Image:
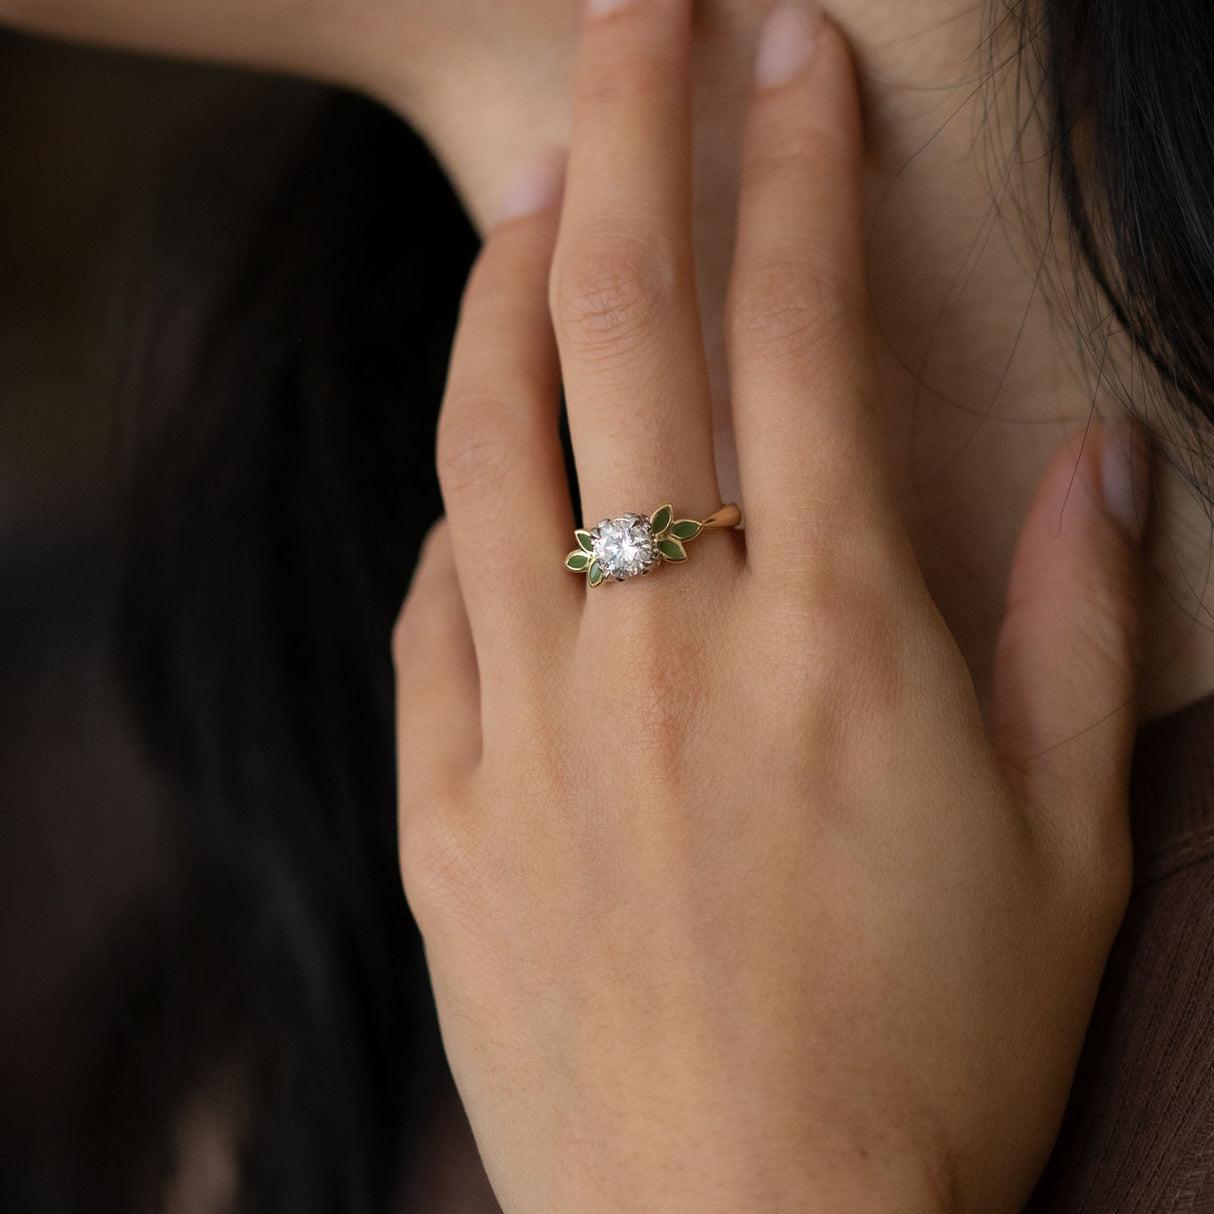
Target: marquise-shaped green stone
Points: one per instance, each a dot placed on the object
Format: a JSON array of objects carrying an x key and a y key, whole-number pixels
[
  {"x": 686, "y": 529},
  {"x": 585, "y": 541},
  {"x": 596, "y": 573},
  {"x": 659, "y": 520},
  {"x": 578, "y": 561},
  {"x": 672, "y": 550}
]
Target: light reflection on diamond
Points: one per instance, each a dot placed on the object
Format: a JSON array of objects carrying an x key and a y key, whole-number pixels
[{"x": 625, "y": 547}]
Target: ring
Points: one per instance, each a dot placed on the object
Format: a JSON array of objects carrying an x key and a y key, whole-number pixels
[{"x": 620, "y": 548}]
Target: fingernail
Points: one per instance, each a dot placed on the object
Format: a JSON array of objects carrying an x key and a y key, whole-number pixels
[
  {"x": 537, "y": 188},
  {"x": 787, "y": 43},
  {"x": 1126, "y": 473}
]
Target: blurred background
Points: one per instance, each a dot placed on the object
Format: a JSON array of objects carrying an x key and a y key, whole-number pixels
[
  {"x": 134, "y": 197},
  {"x": 88, "y": 142}
]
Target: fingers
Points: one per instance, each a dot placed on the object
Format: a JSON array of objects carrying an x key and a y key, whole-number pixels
[
  {"x": 1066, "y": 666},
  {"x": 500, "y": 461},
  {"x": 437, "y": 686},
  {"x": 623, "y": 289},
  {"x": 811, "y": 452}
]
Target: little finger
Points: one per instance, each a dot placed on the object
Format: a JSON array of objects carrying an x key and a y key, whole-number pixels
[
  {"x": 499, "y": 451},
  {"x": 438, "y": 733}
]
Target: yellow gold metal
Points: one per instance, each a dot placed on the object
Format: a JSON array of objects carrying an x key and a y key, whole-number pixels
[
  {"x": 727, "y": 517},
  {"x": 675, "y": 535}
]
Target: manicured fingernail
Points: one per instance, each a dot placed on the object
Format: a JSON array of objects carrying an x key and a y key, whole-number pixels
[
  {"x": 536, "y": 189},
  {"x": 787, "y": 43},
  {"x": 1126, "y": 473}
]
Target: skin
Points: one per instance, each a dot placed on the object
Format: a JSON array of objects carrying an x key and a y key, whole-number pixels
[
  {"x": 979, "y": 363},
  {"x": 730, "y": 899},
  {"x": 943, "y": 418}
]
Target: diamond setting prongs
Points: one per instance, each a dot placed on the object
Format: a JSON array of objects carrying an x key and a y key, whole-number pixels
[
  {"x": 632, "y": 545},
  {"x": 625, "y": 547}
]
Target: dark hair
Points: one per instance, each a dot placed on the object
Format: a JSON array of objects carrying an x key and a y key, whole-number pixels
[
  {"x": 1129, "y": 91},
  {"x": 287, "y": 372},
  {"x": 285, "y": 354}
]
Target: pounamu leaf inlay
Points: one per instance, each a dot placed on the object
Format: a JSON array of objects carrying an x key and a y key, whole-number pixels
[
  {"x": 577, "y": 561},
  {"x": 660, "y": 519},
  {"x": 596, "y": 573},
  {"x": 686, "y": 529},
  {"x": 585, "y": 542},
  {"x": 672, "y": 550}
]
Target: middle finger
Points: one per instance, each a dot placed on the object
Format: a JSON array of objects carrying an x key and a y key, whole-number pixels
[{"x": 623, "y": 285}]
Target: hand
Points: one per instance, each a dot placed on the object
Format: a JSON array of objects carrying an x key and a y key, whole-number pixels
[
  {"x": 731, "y": 899},
  {"x": 485, "y": 81},
  {"x": 313, "y": 37},
  {"x": 423, "y": 56}
]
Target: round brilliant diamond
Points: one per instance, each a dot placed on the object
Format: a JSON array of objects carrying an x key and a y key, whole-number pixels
[{"x": 625, "y": 547}]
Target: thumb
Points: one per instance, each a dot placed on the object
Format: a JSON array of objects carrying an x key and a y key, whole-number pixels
[{"x": 1064, "y": 706}]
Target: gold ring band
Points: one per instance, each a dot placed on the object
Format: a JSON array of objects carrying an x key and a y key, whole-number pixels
[{"x": 635, "y": 544}]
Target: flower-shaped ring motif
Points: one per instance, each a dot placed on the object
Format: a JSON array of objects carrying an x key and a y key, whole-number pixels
[{"x": 635, "y": 544}]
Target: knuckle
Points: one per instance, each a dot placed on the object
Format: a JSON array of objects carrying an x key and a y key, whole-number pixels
[
  {"x": 799, "y": 151},
  {"x": 863, "y": 669},
  {"x": 476, "y": 439},
  {"x": 841, "y": 639},
  {"x": 626, "y": 78},
  {"x": 790, "y": 306},
  {"x": 665, "y": 707},
  {"x": 609, "y": 289},
  {"x": 663, "y": 711}
]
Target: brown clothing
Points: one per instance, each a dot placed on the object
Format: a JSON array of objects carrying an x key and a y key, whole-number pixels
[{"x": 1139, "y": 1131}]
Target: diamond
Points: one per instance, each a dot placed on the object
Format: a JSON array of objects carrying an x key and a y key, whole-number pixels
[{"x": 625, "y": 546}]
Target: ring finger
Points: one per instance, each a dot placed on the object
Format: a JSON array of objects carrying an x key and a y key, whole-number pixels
[{"x": 623, "y": 287}]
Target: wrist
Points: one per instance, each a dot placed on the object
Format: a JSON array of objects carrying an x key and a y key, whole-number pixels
[{"x": 485, "y": 111}]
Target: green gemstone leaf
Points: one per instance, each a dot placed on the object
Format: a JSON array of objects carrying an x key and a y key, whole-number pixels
[
  {"x": 686, "y": 529},
  {"x": 596, "y": 573},
  {"x": 578, "y": 561},
  {"x": 585, "y": 541},
  {"x": 660, "y": 519},
  {"x": 672, "y": 550}
]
